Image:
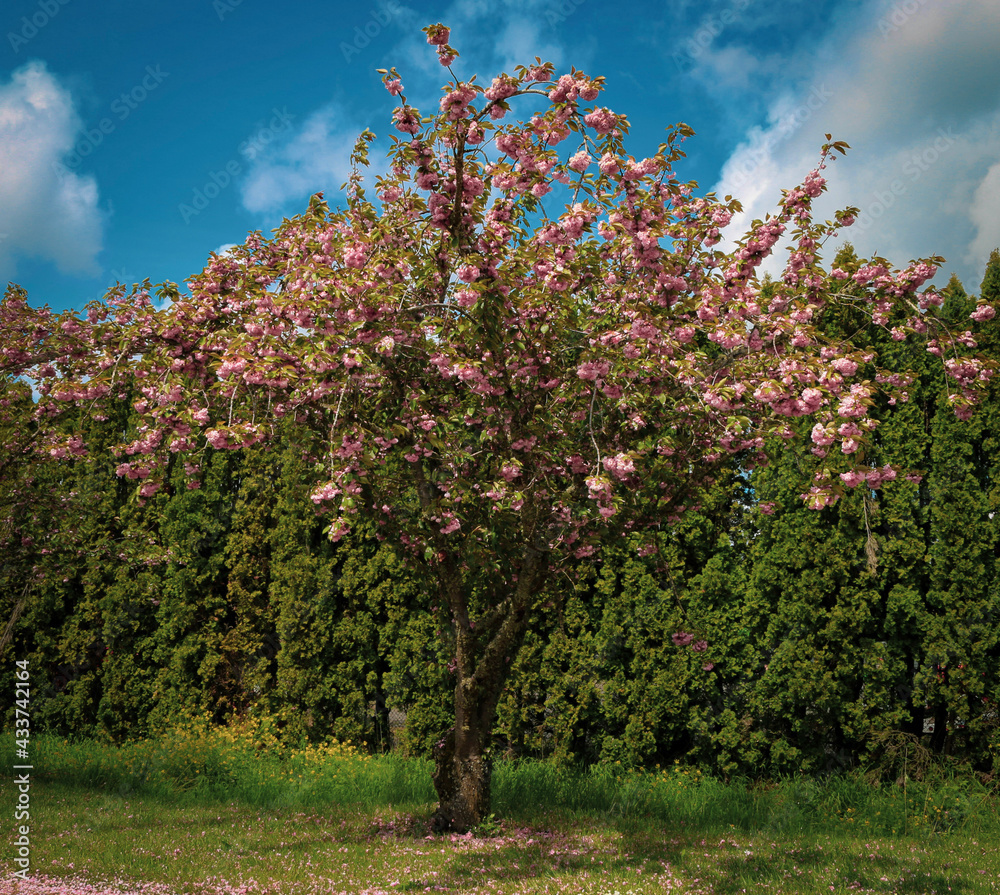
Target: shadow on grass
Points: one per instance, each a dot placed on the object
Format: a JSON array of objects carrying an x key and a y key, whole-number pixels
[
  {"x": 749, "y": 870},
  {"x": 581, "y": 844},
  {"x": 521, "y": 854},
  {"x": 587, "y": 847}
]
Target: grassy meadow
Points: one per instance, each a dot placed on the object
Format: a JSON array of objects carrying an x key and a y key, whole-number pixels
[{"x": 216, "y": 812}]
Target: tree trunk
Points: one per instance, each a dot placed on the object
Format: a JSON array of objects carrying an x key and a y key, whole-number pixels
[
  {"x": 485, "y": 651},
  {"x": 463, "y": 766},
  {"x": 462, "y": 778}
]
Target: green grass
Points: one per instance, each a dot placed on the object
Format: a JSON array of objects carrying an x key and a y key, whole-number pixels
[
  {"x": 211, "y": 813},
  {"x": 247, "y": 766}
]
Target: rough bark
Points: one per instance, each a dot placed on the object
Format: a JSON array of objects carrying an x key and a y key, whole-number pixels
[
  {"x": 463, "y": 768},
  {"x": 462, "y": 779}
]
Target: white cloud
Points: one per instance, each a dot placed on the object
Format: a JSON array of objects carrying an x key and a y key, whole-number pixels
[
  {"x": 918, "y": 100},
  {"x": 46, "y": 210},
  {"x": 985, "y": 215},
  {"x": 502, "y": 34},
  {"x": 314, "y": 157}
]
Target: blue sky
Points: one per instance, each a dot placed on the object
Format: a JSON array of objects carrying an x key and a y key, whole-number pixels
[{"x": 116, "y": 116}]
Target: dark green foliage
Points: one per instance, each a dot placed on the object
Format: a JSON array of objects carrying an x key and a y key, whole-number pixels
[
  {"x": 989, "y": 290},
  {"x": 249, "y": 642},
  {"x": 829, "y": 637},
  {"x": 812, "y": 571},
  {"x": 884, "y": 613},
  {"x": 553, "y": 703},
  {"x": 646, "y": 699},
  {"x": 63, "y": 526},
  {"x": 327, "y": 649},
  {"x": 735, "y": 622}
]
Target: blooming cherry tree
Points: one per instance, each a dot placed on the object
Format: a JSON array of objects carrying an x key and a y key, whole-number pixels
[{"x": 501, "y": 384}]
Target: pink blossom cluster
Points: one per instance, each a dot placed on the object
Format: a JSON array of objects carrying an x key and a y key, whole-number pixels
[
  {"x": 71, "y": 447},
  {"x": 797, "y": 200},
  {"x": 327, "y": 491},
  {"x": 856, "y": 402},
  {"x": 600, "y": 489},
  {"x": 218, "y": 439},
  {"x": 503, "y": 87},
  {"x": 621, "y": 466},
  {"x": 818, "y": 497},
  {"x": 967, "y": 370},
  {"x": 133, "y": 471},
  {"x": 609, "y": 163},
  {"x": 759, "y": 244},
  {"x": 601, "y": 120},
  {"x": 355, "y": 256},
  {"x": 455, "y": 104},
  {"x": 873, "y": 478},
  {"x": 406, "y": 120},
  {"x": 511, "y": 471},
  {"x": 845, "y": 366},
  {"x": 569, "y": 88},
  {"x": 870, "y": 272},
  {"x": 437, "y": 36},
  {"x": 591, "y": 371}
]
